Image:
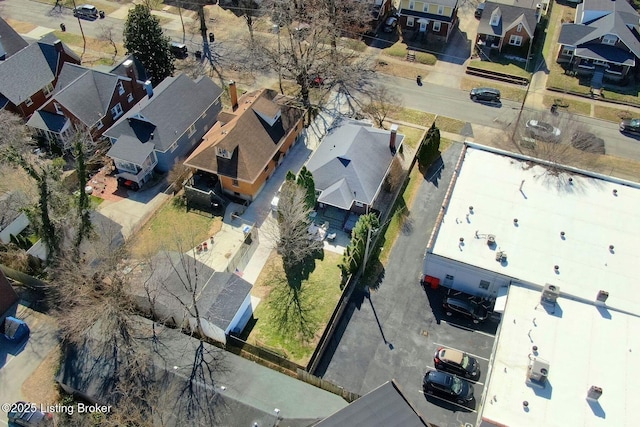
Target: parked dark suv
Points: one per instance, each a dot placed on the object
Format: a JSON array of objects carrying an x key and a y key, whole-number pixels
[
  {"x": 457, "y": 362},
  {"x": 179, "y": 50},
  {"x": 86, "y": 11},
  {"x": 448, "y": 386},
  {"x": 485, "y": 94},
  {"x": 465, "y": 307}
]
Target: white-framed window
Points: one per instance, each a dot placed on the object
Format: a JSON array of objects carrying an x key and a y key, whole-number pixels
[
  {"x": 599, "y": 62},
  {"x": 515, "y": 40},
  {"x": 425, "y": 7},
  {"x": 116, "y": 111},
  {"x": 48, "y": 89},
  {"x": 436, "y": 26},
  {"x": 203, "y": 115},
  {"x": 359, "y": 204},
  {"x": 519, "y": 28},
  {"x": 609, "y": 39},
  {"x": 58, "y": 108},
  {"x": 410, "y": 20},
  {"x": 411, "y": 5},
  {"x": 567, "y": 51},
  {"x": 191, "y": 130},
  {"x": 99, "y": 125},
  {"x": 28, "y": 102},
  {"x": 440, "y": 10},
  {"x": 130, "y": 98},
  {"x": 120, "y": 88}
]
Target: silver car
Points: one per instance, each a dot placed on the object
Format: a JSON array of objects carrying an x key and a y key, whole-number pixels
[{"x": 543, "y": 131}]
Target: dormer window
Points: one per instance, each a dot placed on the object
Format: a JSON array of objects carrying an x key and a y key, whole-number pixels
[
  {"x": 609, "y": 39},
  {"x": 495, "y": 17},
  {"x": 223, "y": 152},
  {"x": 411, "y": 5},
  {"x": 120, "y": 88},
  {"x": 440, "y": 10}
]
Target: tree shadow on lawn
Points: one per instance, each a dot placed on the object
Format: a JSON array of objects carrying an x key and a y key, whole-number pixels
[{"x": 300, "y": 272}]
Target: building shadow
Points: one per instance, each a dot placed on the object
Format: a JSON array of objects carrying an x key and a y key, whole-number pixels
[{"x": 597, "y": 409}]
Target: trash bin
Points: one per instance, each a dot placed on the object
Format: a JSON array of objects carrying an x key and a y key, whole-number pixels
[
  {"x": 212, "y": 38},
  {"x": 198, "y": 54},
  {"x": 101, "y": 14}
]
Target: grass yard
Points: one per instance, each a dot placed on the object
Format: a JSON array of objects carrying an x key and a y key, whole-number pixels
[
  {"x": 421, "y": 118},
  {"x": 172, "y": 228},
  {"x": 611, "y": 114},
  {"x": 295, "y": 310},
  {"x": 503, "y": 65},
  {"x": 412, "y": 136},
  {"x": 575, "y": 107},
  {"x": 399, "y": 50},
  {"x": 510, "y": 92},
  {"x": 398, "y": 68}
]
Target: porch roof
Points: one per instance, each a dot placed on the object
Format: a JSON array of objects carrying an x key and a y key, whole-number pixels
[
  {"x": 602, "y": 52},
  {"x": 425, "y": 15},
  {"x": 45, "y": 120}
]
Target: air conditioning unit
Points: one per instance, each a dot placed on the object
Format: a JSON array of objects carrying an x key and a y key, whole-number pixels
[
  {"x": 491, "y": 239},
  {"x": 602, "y": 296},
  {"x": 538, "y": 370},
  {"x": 501, "y": 256},
  {"x": 550, "y": 293}
]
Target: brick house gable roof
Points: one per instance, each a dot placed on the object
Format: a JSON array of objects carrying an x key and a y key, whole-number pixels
[{"x": 250, "y": 140}]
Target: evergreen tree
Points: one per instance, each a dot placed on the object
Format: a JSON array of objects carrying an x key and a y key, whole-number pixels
[{"x": 144, "y": 38}]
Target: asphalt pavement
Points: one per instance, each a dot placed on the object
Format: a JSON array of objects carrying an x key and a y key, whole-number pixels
[{"x": 392, "y": 332}]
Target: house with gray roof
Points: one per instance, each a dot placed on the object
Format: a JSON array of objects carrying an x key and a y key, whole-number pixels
[
  {"x": 435, "y": 18},
  {"x": 169, "y": 284},
  {"x": 351, "y": 163},
  {"x": 382, "y": 407},
  {"x": 10, "y": 40},
  {"x": 603, "y": 40},
  {"x": 163, "y": 128},
  {"x": 191, "y": 383},
  {"x": 86, "y": 99},
  {"x": 28, "y": 77},
  {"x": 507, "y": 26}
]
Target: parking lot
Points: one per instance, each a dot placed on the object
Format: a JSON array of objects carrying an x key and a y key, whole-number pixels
[{"x": 393, "y": 332}]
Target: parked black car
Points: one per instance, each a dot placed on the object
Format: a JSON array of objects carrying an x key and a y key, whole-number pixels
[
  {"x": 86, "y": 11},
  {"x": 456, "y": 362},
  {"x": 630, "y": 126},
  {"x": 447, "y": 386},
  {"x": 485, "y": 94},
  {"x": 465, "y": 307},
  {"x": 390, "y": 24},
  {"x": 179, "y": 50}
]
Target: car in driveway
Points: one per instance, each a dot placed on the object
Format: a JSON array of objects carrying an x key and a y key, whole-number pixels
[
  {"x": 543, "y": 131},
  {"x": 28, "y": 414},
  {"x": 630, "y": 126},
  {"x": 485, "y": 94},
  {"x": 86, "y": 11},
  {"x": 456, "y": 362},
  {"x": 465, "y": 308},
  {"x": 447, "y": 386},
  {"x": 390, "y": 24}
]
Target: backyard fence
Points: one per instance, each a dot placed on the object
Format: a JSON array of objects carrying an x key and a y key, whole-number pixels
[{"x": 327, "y": 385}]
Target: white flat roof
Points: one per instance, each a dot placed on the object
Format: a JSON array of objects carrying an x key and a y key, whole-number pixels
[
  {"x": 584, "y": 345},
  {"x": 501, "y": 188}
]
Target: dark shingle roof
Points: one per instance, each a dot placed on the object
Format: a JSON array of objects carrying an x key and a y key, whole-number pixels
[
  {"x": 227, "y": 390},
  {"x": 601, "y": 52},
  {"x": 617, "y": 21},
  {"x": 31, "y": 69},
  {"x": 47, "y": 121},
  {"x": 177, "y": 102},
  {"x": 220, "y": 294},
  {"x": 10, "y": 40},
  {"x": 383, "y": 407},
  {"x": 510, "y": 17},
  {"x": 138, "y": 68},
  {"x": 85, "y": 92},
  {"x": 250, "y": 139},
  {"x": 351, "y": 162}
]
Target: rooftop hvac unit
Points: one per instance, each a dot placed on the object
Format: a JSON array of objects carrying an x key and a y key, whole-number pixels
[
  {"x": 550, "y": 293},
  {"x": 491, "y": 239},
  {"x": 501, "y": 256},
  {"x": 602, "y": 296},
  {"x": 538, "y": 370}
]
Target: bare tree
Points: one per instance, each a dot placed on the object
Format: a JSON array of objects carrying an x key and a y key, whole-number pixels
[
  {"x": 395, "y": 176},
  {"x": 293, "y": 242},
  {"x": 107, "y": 34},
  {"x": 381, "y": 103}
]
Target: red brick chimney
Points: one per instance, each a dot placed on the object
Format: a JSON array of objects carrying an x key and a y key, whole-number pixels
[
  {"x": 392, "y": 138},
  {"x": 233, "y": 93}
]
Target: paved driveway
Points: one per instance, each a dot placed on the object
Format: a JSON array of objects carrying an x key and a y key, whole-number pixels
[{"x": 393, "y": 333}]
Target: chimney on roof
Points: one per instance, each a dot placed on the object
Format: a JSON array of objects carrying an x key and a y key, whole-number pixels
[
  {"x": 233, "y": 93},
  {"x": 149, "y": 88},
  {"x": 58, "y": 45},
  {"x": 392, "y": 138},
  {"x": 151, "y": 136},
  {"x": 128, "y": 66}
]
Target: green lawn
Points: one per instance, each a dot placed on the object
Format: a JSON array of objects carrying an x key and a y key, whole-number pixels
[
  {"x": 502, "y": 65},
  {"x": 575, "y": 107},
  {"x": 399, "y": 50},
  {"x": 422, "y": 118},
  {"x": 296, "y": 308},
  {"x": 172, "y": 228}
]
